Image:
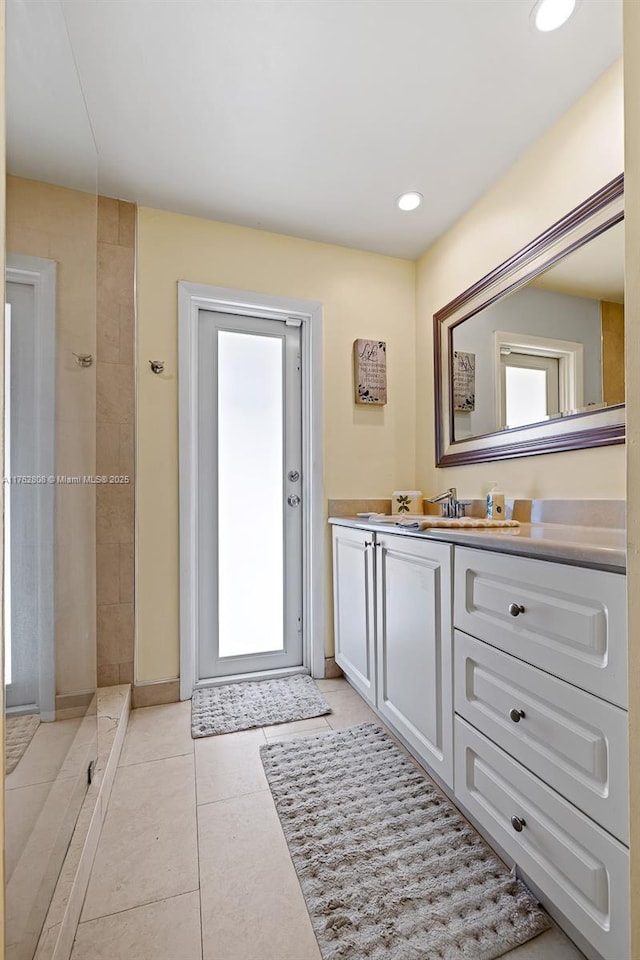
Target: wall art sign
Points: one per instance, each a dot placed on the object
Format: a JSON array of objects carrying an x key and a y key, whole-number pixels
[
  {"x": 370, "y": 371},
  {"x": 464, "y": 381}
]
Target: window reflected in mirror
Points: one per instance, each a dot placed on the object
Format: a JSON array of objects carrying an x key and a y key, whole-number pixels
[{"x": 553, "y": 348}]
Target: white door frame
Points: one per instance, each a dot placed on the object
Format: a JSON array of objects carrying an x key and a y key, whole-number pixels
[
  {"x": 41, "y": 275},
  {"x": 568, "y": 353},
  {"x": 192, "y": 297}
]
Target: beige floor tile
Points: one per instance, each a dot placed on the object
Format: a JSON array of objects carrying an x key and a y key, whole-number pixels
[
  {"x": 44, "y": 758},
  {"x": 167, "y": 930},
  {"x": 36, "y": 870},
  {"x": 23, "y": 806},
  {"x": 298, "y": 726},
  {"x": 229, "y": 766},
  {"x": 550, "y": 945},
  {"x": 252, "y": 904},
  {"x": 346, "y": 691},
  {"x": 348, "y": 709},
  {"x": 334, "y": 685},
  {"x": 148, "y": 847},
  {"x": 155, "y": 733}
]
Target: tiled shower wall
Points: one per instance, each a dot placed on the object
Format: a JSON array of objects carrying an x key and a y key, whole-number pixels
[{"x": 115, "y": 440}]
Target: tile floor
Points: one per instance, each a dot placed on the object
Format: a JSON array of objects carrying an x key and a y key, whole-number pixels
[{"x": 192, "y": 863}]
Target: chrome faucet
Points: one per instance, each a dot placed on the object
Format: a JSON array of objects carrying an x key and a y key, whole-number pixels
[{"x": 451, "y": 506}]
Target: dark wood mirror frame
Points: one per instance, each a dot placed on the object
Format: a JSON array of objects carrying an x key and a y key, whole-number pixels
[{"x": 591, "y": 428}]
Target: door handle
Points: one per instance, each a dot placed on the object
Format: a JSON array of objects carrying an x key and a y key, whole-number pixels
[{"x": 293, "y": 500}]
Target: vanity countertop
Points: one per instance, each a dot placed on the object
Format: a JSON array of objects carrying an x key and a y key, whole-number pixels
[{"x": 601, "y": 548}]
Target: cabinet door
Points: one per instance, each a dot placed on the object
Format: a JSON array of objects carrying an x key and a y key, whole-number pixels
[
  {"x": 353, "y": 605},
  {"x": 414, "y": 645}
]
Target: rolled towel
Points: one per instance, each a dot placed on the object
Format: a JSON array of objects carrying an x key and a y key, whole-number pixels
[{"x": 462, "y": 522}]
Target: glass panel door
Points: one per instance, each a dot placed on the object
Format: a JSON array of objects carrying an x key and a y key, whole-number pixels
[{"x": 250, "y": 538}]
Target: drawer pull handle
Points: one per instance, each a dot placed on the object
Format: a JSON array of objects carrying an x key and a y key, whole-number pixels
[
  {"x": 516, "y": 715},
  {"x": 515, "y": 609},
  {"x": 518, "y": 823}
]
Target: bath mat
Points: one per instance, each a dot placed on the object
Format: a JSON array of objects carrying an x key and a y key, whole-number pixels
[
  {"x": 241, "y": 706},
  {"x": 19, "y": 733},
  {"x": 389, "y": 869}
]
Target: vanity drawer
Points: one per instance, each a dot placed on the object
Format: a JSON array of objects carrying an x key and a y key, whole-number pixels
[
  {"x": 573, "y": 741},
  {"x": 572, "y": 621},
  {"x": 579, "y": 868}
]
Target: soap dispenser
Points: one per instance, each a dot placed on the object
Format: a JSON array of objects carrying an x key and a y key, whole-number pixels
[{"x": 495, "y": 502}]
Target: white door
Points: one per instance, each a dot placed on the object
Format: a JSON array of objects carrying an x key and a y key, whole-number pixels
[{"x": 249, "y": 451}]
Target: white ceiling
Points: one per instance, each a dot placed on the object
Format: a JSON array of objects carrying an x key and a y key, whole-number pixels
[{"x": 309, "y": 117}]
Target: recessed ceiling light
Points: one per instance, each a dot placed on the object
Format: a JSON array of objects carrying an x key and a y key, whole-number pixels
[
  {"x": 409, "y": 201},
  {"x": 550, "y": 14}
]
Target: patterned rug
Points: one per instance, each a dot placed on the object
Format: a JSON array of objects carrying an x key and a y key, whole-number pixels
[
  {"x": 241, "y": 706},
  {"x": 389, "y": 869},
  {"x": 19, "y": 733}
]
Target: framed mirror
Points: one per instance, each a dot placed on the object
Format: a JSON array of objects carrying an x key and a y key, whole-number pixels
[{"x": 530, "y": 359}]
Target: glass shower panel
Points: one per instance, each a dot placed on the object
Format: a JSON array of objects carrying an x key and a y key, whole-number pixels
[{"x": 49, "y": 446}]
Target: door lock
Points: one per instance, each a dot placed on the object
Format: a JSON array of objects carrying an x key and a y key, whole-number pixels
[
  {"x": 293, "y": 499},
  {"x": 294, "y": 476}
]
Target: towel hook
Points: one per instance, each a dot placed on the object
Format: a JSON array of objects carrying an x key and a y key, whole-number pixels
[{"x": 83, "y": 359}]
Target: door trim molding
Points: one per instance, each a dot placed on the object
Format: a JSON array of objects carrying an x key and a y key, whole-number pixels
[
  {"x": 192, "y": 297},
  {"x": 41, "y": 274}
]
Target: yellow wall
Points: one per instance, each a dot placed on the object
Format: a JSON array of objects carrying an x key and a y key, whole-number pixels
[
  {"x": 574, "y": 158},
  {"x": 367, "y": 451},
  {"x": 632, "y": 351}
]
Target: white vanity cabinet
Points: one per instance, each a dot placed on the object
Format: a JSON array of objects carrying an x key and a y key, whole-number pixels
[
  {"x": 507, "y": 677},
  {"x": 541, "y": 741},
  {"x": 392, "y": 612}
]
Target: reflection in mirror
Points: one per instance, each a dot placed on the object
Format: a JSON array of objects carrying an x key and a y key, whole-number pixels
[
  {"x": 553, "y": 347},
  {"x": 530, "y": 358},
  {"x": 49, "y": 549}
]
